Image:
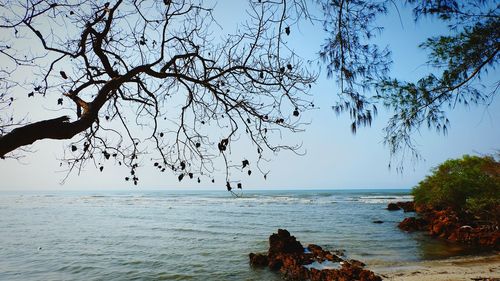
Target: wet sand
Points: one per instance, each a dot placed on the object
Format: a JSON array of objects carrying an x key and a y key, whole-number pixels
[{"x": 455, "y": 269}]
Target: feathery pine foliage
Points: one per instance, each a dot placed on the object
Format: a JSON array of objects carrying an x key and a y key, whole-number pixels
[{"x": 459, "y": 59}]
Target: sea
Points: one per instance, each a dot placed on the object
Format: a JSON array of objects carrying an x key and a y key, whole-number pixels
[{"x": 196, "y": 235}]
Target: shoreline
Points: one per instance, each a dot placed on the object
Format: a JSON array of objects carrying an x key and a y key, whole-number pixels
[{"x": 468, "y": 268}]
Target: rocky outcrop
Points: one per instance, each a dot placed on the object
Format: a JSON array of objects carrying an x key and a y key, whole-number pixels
[
  {"x": 413, "y": 224},
  {"x": 454, "y": 226},
  {"x": 406, "y": 206},
  {"x": 288, "y": 256},
  {"x": 283, "y": 243},
  {"x": 393, "y": 207}
]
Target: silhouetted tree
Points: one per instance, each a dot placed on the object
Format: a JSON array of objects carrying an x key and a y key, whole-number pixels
[
  {"x": 152, "y": 77},
  {"x": 149, "y": 77}
]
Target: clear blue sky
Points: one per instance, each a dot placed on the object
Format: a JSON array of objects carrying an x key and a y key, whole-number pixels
[{"x": 334, "y": 157}]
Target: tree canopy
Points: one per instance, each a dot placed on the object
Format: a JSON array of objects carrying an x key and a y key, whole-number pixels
[
  {"x": 127, "y": 81},
  {"x": 468, "y": 183},
  {"x": 459, "y": 59},
  {"x": 152, "y": 77}
]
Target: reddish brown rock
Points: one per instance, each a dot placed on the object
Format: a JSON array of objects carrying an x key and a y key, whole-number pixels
[
  {"x": 315, "y": 249},
  {"x": 356, "y": 263},
  {"x": 331, "y": 257},
  {"x": 321, "y": 255},
  {"x": 367, "y": 275},
  {"x": 412, "y": 224},
  {"x": 393, "y": 207},
  {"x": 443, "y": 223},
  {"x": 275, "y": 262},
  {"x": 258, "y": 260},
  {"x": 456, "y": 226},
  {"x": 287, "y": 256},
  {"x": 283, "y": 243},
  {"x": 484, "y": 236},
  {"x": 406, "y": 206}
]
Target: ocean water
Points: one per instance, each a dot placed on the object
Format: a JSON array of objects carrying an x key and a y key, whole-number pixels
[{"x": 195, "y": 235}]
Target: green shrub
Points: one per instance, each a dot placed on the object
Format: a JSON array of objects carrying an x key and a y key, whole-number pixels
[{"x": 469, "y": 183}]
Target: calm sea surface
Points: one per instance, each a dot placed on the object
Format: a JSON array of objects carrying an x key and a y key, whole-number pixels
[{"x": 189, "y": 235}]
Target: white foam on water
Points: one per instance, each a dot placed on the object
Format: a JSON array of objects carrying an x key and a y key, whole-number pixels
[{"x": 376, "y": 199}]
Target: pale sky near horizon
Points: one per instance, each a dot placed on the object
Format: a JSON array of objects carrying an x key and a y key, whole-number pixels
[{"x": 334, "y": 157}]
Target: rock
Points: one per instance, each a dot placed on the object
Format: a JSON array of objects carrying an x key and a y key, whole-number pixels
[
  {"x": 378, "y": 221},
  {"x": 315, "y": 249},
  {"x": 331, "y": 257},
  {"x": 275, "y": 263},
  {"x": 490, "y": 239},
  {"x": 322, "y": 255},
  {"x": 339, "y": 252},
  {"x": 367, "y": 275},
  {"x": 258, "y": 260},
  {"x": 356, "y": 263},
  {"x": 287, "y": 256},
  {"x": 454, "y": 225},
  {"x": 284, "y": 243},
  {"x": 406, "y": 206},
  {"x": 393, "y": 207},
  {"x": 412, "y": 224},
  {"x": 442, "y": 223}
]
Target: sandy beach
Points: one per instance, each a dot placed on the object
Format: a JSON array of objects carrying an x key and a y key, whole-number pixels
[{"x": 455, "y": 269}]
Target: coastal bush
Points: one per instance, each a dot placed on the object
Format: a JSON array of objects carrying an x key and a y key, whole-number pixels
[{"x": 470, "y": 183}]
